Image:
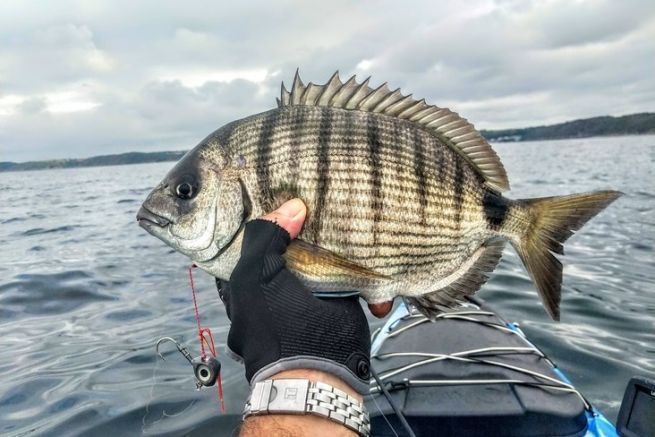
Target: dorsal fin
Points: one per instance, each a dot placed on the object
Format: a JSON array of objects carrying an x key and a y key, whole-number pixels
[{"x": 448, "y": 126}]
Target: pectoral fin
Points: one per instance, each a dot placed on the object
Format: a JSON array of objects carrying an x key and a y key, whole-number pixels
[{"x": 316, "y": 262}]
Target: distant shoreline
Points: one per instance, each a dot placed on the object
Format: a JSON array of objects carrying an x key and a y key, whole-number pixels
[
  {"x": 633, "y": 124},
  {"x": 606, "y": 126},
  {"x": 95, "y": 161}
]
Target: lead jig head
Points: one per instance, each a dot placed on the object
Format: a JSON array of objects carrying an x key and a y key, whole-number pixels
[{"x": 206, "y": 370}]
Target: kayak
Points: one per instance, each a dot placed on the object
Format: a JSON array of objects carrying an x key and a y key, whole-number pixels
[{"x": 470, "y": 372}]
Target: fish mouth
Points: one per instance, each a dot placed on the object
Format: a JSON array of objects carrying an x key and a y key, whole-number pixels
[{"x": 147, "y": 219}]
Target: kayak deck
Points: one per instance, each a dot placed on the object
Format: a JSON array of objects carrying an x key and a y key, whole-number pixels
[{"x": 471, "y": 373}]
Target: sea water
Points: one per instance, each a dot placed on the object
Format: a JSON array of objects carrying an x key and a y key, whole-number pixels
[{"x": 85, "y": 293}]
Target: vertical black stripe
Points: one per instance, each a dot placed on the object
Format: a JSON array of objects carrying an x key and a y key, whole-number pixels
[
  {"x": 349, "y": 143},
  {"x": 324, "y": 140},
  {"x": 420, "y": 172},
  {"x": 299, "y": 121},
  {"x": 263, "y": 157},
  {"x": 374, "y": 146},
  {"x": 458, "y": 189},
  {"x": 397, "y": 139},
  {"x": 225, "y": 137},
  {"x": 441, "y": 155},
  {"x": 495, "y": 209}
]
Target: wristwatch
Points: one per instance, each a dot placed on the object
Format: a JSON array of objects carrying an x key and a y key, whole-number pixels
[{"x": 302, "y": 396}]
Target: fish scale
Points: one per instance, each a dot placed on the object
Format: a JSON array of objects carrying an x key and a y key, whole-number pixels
[
  {"x": 441, "y": 216},
  {"x": 403, "y": 198}
]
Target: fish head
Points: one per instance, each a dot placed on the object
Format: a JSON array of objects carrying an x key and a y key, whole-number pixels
[{"x": 197, "y": 208}]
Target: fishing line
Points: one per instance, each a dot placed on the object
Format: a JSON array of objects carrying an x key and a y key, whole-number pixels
[
  {"x": 393, "y": 405},
  {"x": 384, "y": 416},
  {"x": 164, "y": 413},
  {"x": 150, "y": 397}
]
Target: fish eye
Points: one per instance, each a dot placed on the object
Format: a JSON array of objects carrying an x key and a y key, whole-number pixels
[{"x": 185, "y": 190}]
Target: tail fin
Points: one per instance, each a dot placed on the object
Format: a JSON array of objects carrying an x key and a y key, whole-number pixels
[{"x": 552, "y": 221}]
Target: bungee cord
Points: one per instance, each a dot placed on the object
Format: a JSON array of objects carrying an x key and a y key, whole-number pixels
[{"x": 474, "y": 356}]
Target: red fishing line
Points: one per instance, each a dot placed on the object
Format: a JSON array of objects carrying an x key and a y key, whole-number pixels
[{"x": 202, "y": 338}]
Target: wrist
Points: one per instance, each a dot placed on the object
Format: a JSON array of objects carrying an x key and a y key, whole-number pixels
[
  {"x": 288, "y": 425},
  {"x": 355, "y": 379}
]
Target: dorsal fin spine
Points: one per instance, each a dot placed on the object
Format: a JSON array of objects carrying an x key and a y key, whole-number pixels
[
  {"x": 354, "y": 100},
  {"x": 422, "y": 113},
  {"x": 471, "y": 147},
  {"x": 285, "y": 96},
  {"x": 342, "y": 94},
  {"x": 411, "y": 110},
  {"x": 296, "y": 89},
  {"x": 363, "y": 105},
  {"x": 479, "y": 153},
  {"x": 481, "y": 157},
  {"x": 303, "y": 97},
  {"x": 329, "y": 90},
  {"x": 455, "y": 124},
  {"x": 441, "y": 121},
  {"x": 459, "y": 131},
  {"x": 466, "y": 138},
  {"x": 436, "y": 119},
  {"x": 387, "y": 101},
  {"x": 475, "y": 149},
  {"x": 399, "y": 106}
]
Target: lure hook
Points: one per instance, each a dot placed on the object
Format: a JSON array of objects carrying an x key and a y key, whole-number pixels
[{"x": 180, "y": 348}]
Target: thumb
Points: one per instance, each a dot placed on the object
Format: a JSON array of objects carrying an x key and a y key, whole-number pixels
[{"x": 290, "y": 216}]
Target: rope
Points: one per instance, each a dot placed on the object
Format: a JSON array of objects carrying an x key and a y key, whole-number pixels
[{"x": 197, "y": 314}]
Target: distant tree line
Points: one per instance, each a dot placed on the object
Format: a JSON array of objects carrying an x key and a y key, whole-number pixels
[
  {"x": 635, "y": 124},
  {"x": 95, "y": 161}
]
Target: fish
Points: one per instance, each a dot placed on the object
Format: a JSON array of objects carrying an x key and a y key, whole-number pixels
[{"x": 404, "y": 198}]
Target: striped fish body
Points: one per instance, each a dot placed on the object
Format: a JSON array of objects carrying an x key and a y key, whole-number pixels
[
  {"x": 381, "y": 192},
  {"x": 403, "y": 198}
]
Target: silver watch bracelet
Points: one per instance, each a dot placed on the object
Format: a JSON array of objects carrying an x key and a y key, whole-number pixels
[{"x": 302, "y": 396}]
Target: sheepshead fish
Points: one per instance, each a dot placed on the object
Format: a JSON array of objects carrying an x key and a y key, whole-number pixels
[{"x": 404, "y": 198}]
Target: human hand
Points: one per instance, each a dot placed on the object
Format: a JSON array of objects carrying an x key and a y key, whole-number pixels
[{"x": 277, "y": 324}]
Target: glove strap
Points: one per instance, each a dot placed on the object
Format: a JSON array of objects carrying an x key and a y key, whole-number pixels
[{"x": 302, "y": 396}]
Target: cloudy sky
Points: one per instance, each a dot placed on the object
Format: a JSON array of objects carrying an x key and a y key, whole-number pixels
[{"x": 82, "y": 78}]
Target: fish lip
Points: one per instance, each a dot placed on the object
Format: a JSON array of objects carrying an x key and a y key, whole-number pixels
[{"x": 147, "y": 219}]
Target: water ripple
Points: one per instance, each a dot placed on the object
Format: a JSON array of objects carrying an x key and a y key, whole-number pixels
[
  {"x": 40, "y": 231},
  {"x": 50, "y": 293}
]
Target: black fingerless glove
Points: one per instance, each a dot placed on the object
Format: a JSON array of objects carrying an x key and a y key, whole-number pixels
[{"x": 277, "y": 324}]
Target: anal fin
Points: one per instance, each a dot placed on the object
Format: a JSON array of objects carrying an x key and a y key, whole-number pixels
[{"x": 483, "y": 261}]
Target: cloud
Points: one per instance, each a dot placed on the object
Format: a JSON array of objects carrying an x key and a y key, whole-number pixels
[
  {"x": 159, "y": 116},
  {"x": 83, "y": 78},
  {"x": 53, "y": 56}
]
